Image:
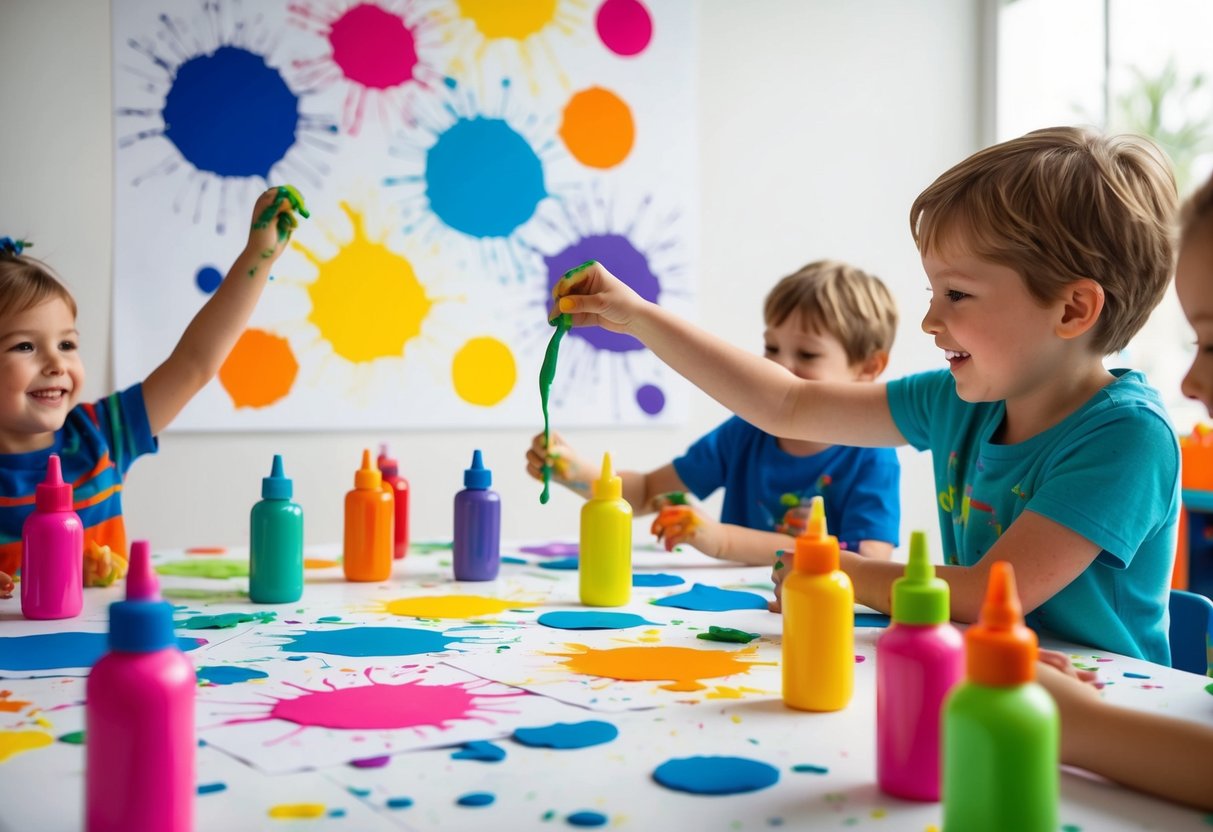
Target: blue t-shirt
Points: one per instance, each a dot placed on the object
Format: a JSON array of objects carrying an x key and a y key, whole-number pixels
[
  {"x": 1109, "y": 471},
  {"x": 766, "y": 487},
  {"x": 96, "y": 446}
]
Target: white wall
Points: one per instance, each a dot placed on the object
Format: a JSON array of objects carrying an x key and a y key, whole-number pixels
[{"x": 819, "y": 123}]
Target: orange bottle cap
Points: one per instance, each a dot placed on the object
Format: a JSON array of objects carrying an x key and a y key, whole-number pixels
[
  {"x": 816, "y": 550},
  {"x": 368, "y": 476},
  {"x": 1000, "y": 649}
]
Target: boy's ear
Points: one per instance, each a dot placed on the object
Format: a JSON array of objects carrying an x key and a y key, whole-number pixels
[
  {"x": 1081, "y": 304},
  {"x": 870, "y": 368}
]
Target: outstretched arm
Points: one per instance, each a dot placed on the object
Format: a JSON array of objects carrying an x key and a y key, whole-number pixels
[
  {"x": 757, "y": 390},
  {"x": 213, "y": 332}
]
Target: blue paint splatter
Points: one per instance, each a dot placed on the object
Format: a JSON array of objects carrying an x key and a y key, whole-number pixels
[
  {"x": 370, "y": 641},
  {"x": 716, "y": 775},
  {"x": 592, "y": 620},
  {"x": 871, "y": 619},
  {"x": 476, "y": 799},
  {"x": 231, "y": 114},
  {"x": 808, "y": 768},
  {"x": 512, "y": 559},
  {"x": 713, "y": 599},
  {"x": 51, "y": 651},
  {"x": 228, "y": 675},
  {"x": 211, "y": 788},
  {"x": 565, "y": 735},
  {"x": 399, "y": 802},
  {"x": 481, "y": 751},
  {"x": 1129, "y": 675},
  {"x": 559, "y": 563},
  {"x": 482, "y": 178},
  {"x": 657, "y": 579},
  {"x": 208, "y": 279},
  {"x": 586, "y": 819},
  {"x": 328, "y": 619}
]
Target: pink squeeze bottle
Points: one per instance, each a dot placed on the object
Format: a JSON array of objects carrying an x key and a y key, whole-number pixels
[
  {"x": 918, "y": 660},
  {"x": 52, "y": 551},
  {"x": 139, "y": 717}
]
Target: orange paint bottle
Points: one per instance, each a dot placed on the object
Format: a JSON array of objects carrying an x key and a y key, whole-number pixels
[{"x": 368, "y": 525}]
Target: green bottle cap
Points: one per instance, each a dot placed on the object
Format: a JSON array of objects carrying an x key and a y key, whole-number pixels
[{"x": 919, "y": 597}]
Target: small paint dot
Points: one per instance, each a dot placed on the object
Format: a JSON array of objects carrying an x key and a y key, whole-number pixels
[
  {"x": 73, "y": 738},
  {"x": 650, "y": 399},
  {"x": 806, "y": 768},
  {"x": 334, "y": 813},
  {"x": 587, "y": 819},
  {"x": 399, "y": 802},
  {"x": 208, "y": 279},
  {"x": 371, "y": 762},
  {"x": 211, "y": 788},
  {"x": 860, "y": 659},
  {"x": 1129, "y": 675},
  {"x": 476, "y": 799},
  {"x": 326, "y": 619}
]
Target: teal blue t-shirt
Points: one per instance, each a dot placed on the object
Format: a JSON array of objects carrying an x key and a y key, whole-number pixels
[{"x": 1109, "y": 471}]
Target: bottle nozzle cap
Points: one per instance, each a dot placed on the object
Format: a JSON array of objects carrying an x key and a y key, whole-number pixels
[
  {"x": 1001, "y": 650},
  {"x": 53, "y": 494},
  {"x": 387, "y": 465},
  {"x": 608, "y": 486},
  {"x": 816, "y": 549},
  {"x": 919, "y": 597},
  {"x": 477, "y": 477},
  {"x": 277, "y": 486},
  {"x": 368, "y": 477},
  {"x": 141, "y": 581}
]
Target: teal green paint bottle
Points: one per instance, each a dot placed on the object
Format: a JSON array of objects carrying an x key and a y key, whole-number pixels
[
  {"x": 1000, "y": 728},
  {"x": 276, "y": 542}
]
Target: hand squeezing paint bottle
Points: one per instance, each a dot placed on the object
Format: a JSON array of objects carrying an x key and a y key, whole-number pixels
[
  {"x": 606, "y": 542},
  {"x": 918, "y": 661},
  {"x": 52, "y": 551},
  {"x": 399, "y": 486},
  {"x": 1000, "y": 728},
  {"x": 818, "y": 622},
  {"x": 139, "y": 716},
  {"x": 275, "y": 542},
  {"x": 477, "y": 542},
  {"x": 368, "y": 526}
]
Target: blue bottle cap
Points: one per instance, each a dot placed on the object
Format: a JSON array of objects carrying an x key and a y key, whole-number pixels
[
  {"x": 276, "y": 486},
  {"x": 477, "y": 477},
  {"x": 141, "y": 626}
]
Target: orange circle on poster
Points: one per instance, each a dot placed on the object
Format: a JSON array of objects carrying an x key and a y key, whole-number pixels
[
  {"x": 598, "y": 128},
  {"x": 260, "y": 369}
]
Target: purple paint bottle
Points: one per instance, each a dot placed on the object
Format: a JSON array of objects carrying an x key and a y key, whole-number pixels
[
  {"x": 139, "y": 716},
  {"x": 477, "y": 547},
  {"x": 52, "y": 551},
  {"x": 918, "y": 661}
]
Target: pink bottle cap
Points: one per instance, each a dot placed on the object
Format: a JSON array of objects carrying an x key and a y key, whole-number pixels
[
  {"x": 53, "y": 494},
  {"x": 141, "y": 581}
]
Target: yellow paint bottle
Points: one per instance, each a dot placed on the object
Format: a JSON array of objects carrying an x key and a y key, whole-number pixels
[
  {"x": 818, "y": 622},
  {"x": 606, "y": 543}
]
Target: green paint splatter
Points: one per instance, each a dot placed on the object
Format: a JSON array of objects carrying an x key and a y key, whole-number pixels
[
  {"x": 214, "y": 595},
  {"x": 218, "y": 569},
  {"x": 429, "y": 547},
  {"x": 74, "y": 738},
  {"x": 1071, "y": 827},
  {"x": 727, "y": 634},
  {"x": 224, "y": 620},
  {"x": 779, "y": 564},
  {"x": 1209, "y": 688},
  {"x": 547, "y": 373}
]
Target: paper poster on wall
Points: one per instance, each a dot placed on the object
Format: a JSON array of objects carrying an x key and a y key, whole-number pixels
[{"x": 457, "y": 157}]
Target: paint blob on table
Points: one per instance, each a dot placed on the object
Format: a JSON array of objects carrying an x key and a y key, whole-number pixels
[
  {"x": 593, "y": 620},
  {"x": 228, "y": 674},
  {"x": 552, "y": 550},
  {"x": 482, "y": 751},
  {"x": 369, "y": 641},
  {"x": 52, "y": 651},
  {"x": 727, "y": 634},
  {"x": 216, "y": 569},
  {"x": 716, "y": 775},
  {"x": 223, "y": 620},
  {"x": 476, "y": 799},
  {"x": 451, "y": 606},
  {"x": 587, "y": 819},
  {"x": 657, "y": 579},
  {"x": 713, "y": 599},
  {"x": 871, "y": 619},
  {"x": 560, "y": 563},
  {"x": 565, "y": 735},
  {"x": 681, "y": 667}
]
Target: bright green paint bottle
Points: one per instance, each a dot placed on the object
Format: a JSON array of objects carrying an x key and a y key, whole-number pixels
[
  {"x": 1000, "y": 728},
  {"x": 276, "y": 542}
]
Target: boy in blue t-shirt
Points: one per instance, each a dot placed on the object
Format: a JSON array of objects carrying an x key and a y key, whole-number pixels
[
  {"x": 828, "y": 321},
  {"x": 1043, "y": 254},
  {"x": 42, "y": 377}
]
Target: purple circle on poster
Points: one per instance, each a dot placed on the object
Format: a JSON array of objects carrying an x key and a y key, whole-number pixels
[{"x": 651, "y": 399}]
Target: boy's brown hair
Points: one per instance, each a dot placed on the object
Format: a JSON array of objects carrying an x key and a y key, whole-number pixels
[
  {"x": 841, "y": 300},
  {"x": 26, "y": 282},
  {"x": 1061, "y": 204}
]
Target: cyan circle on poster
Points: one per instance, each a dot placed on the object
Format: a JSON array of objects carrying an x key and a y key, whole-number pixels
[
  {"x": 713, "y": 599},
  {"x": 592, "y": 620},
  {"x": 565, "y": 735},
  {"x": 871, "y": 619},
  {"x": 559, "y": 563},
  {"x": 657, "y": 579},
  {"x": 716, "y": 775}
]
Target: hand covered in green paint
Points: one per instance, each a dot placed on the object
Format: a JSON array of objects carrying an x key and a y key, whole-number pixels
[
  {"x": 592, "y": 296},
  {"x": 274, "y": 220},
  {"x": 679, "y": 524},
  {"x": 567, "y": 467},
  {"x": 781, "y": 569}
]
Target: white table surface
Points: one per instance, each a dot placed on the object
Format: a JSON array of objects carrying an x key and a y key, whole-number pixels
[{"x": 741, "y": 715}]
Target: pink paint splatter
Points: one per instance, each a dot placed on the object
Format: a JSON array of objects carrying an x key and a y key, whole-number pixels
[
  {"x": 373, "y": 47},
  {"x": 625, "y": 26}
]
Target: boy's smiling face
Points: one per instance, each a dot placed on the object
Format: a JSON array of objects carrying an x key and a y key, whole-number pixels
[
  {"x": 41, "y": 375},
  {"x": 1194, "y": 286}
]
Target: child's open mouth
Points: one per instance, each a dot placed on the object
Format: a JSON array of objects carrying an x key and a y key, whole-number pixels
[
  {"x": 51, "y": 395},
  {"x": 955, "y": 357}
]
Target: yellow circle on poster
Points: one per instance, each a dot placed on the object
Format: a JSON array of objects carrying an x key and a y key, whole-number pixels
[{"x": 484, "y": 371}]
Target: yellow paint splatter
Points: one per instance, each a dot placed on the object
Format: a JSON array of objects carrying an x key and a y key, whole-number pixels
[
  {"x": 517, "y": 20},
  {"x": 318, "y": 563},
  {"x": 293, "y": 811},
  {"x": 14, "y": 742},
  {"x": 450, "y": 606},
  {"x": 650, "y": 636},
  {"x": 733, "y": 693},
  {"x": 366, "y": 301},
  {"x": 681, "y": 666},
  {"x": 483, "y": 371}
]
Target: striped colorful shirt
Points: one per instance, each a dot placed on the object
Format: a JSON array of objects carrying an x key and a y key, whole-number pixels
[{"x": 96, "y": 446}]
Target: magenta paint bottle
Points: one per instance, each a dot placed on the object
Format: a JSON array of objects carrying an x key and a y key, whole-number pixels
[
  {"x": 477, "y": 546},
  {"x": 139, "y": 717},
  {"x": 52, "y": 551},
  {"x": 918, "y": 661}
]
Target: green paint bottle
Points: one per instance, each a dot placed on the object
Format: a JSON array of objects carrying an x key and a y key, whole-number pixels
[
  {"x": 276, "y": 542},
  {"x": 1000, "y": 728}
]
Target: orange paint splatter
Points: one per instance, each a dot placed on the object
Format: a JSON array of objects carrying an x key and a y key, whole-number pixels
[
  {"x": 206, "y": 550},
  {"x": 597, "y": 128},
  {"x": 318, "y": 563},
  {"x": 260, "y": 369},
  {"x": 681, "y": 666},
  {"x": 10, "y": 706}
]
